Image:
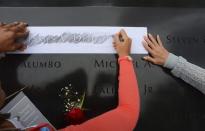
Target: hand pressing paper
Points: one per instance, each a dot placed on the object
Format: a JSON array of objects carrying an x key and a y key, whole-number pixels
[{"x": 80, "y": 39}]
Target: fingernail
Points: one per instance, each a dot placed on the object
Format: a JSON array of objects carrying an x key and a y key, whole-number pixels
[
  {"x": 144, "y": 57},
  {"x": 122, "y": 30},
  {"x": 144, "y": 42},
  {"x": 25, "y": 23},
  {"x": 16, "y": 22}
]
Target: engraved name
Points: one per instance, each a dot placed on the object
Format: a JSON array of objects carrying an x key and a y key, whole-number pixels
[{"x": 42, "y": 64}]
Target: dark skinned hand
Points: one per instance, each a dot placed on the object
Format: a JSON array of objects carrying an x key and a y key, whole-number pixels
[{"x": 10, "y": 34}]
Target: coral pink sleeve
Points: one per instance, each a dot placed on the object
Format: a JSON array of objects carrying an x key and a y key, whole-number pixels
[{"x": 124, "y": 117}]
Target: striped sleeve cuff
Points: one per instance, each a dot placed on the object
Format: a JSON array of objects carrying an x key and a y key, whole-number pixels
[{"x": 171, "y": 61}]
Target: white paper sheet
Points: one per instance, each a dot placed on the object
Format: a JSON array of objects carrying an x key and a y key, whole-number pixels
[
  {"x": 25, "y": 110},
  {"x": 80, "y": 39}
]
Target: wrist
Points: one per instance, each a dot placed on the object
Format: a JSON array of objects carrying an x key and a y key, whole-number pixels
[
  {"x": 171, "y": 61},
  {"x": 126, "y": 58},
  {"x": 123, "y": 55}
]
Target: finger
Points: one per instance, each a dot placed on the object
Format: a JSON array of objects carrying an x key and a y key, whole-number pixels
[
  {"x": 116, "y": 38},
  {"x": 23, "y": 48},
  {"x": 159, "y": 40},
  {"x": 147, "y": 47},
  {"x": 14, "y": 27},
  {"x": 14, "y": 24},
  {"x": 23, "y": 24},
  {"x": 18, "y": 46},
  {"x": 11, "y": 24},
  {"x": 130, "y": 40},
  {"x": 114, "y": 45},
  {"x": 22, "y": 34},
  {"x": 123, "y": 34},
  {"x": 147, "y": 40},
  {"x": 20, "y": 27},
  {"x": 149, "y": 58},
  {"x": 152, "y": 39},
  {"x": 3, "y": 24}
]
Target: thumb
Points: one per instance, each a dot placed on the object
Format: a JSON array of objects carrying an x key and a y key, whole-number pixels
[{"x": 149, "y": 59}]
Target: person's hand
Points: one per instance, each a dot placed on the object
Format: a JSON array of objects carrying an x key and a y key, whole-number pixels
[
  {"x": 122, "y": 43},
  {"x": 10, "y": 34},
  {"x": 158, "y": 54}
]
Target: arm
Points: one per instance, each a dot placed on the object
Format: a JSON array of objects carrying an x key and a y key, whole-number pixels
[
  {"x": 179, "y": 66},
  {"x": 190, "y": 73},
  {"x": 125, "y": 116}
]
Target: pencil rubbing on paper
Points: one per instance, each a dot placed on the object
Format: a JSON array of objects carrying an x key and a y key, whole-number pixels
[{"x": 67, "y": 37}]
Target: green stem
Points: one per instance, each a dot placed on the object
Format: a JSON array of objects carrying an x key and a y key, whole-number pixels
[{"x": 82, "y": 101}]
